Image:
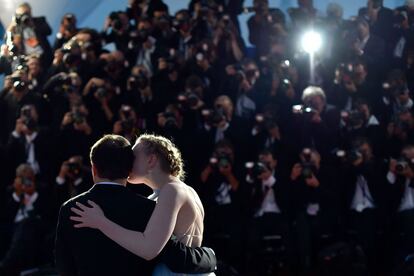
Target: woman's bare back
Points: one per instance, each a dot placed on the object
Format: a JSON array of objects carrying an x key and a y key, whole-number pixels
[{"x": 189, "y": 227}]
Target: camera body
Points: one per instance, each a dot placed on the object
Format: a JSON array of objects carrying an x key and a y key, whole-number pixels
[
  {"x": 214, "y": 116},
  {"x": 220, "y": 160},
  {"x": 189, "y": 99},
  {"x": 116, "y": 22},
  {"x": 26, "y": 115},
  {"x": 22, "y": 19},
  {"x": 353, "y": 118},
  {"x": 255, "y": 169}
]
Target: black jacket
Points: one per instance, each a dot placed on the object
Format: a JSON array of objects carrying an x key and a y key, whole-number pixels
[{"x": 89, "y": 252}]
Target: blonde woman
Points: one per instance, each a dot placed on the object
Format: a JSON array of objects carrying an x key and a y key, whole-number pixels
[{"x": 179, "y": 211}]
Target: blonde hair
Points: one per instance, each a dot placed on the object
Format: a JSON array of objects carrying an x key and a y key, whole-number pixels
[{"x": 169, "y": 155}]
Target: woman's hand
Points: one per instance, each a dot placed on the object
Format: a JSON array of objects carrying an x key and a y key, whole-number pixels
[{"x": 92, "y": 217}]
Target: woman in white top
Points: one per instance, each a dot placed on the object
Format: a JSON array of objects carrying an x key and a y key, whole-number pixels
[{"x": 178, "y": 212}]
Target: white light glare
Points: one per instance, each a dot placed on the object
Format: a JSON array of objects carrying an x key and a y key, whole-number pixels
[{"x": 311, "y": 42}]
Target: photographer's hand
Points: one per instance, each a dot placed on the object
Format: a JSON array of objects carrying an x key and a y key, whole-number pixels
[
  {"x": 296, "y": 172},
  {"x": 67, "y": 119},
  {"x": 18, "y": 186},
  {"x": 206, "y": 173},
  {"x": 117, "y": 129},
  {"x": 64, "y": 170},
  {"x": 408, "y": 172},
  {"x": 20, "y": 128},
  {"x": 393, "y": 165},
  {"x": 350, "y": 86},
  {"x": 312, "y": 181},
  {"x": 83, "y": 127},
  {"x": 227, "y": 171}
]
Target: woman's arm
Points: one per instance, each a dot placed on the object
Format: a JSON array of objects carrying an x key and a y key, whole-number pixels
[{"x": 159, "y": 229}]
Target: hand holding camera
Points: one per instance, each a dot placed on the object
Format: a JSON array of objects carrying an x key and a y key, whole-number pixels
[
  {"x": 312, "y": 181},
  {"x": 296, "y": 172},
  {"x": 18, "y": 186},
  {"x": 21, "y": 128}
]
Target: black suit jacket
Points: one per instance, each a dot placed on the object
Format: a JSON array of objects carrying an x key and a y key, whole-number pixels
[
  {"x": 89, "y": 252},
  {"x": 43, "y": 148}
]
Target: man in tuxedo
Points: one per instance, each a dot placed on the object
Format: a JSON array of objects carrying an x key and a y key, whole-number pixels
[{"x": 89, "y": 252}]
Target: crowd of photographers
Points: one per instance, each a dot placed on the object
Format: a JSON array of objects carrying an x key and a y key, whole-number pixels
[{"x": 298, "y": 171}]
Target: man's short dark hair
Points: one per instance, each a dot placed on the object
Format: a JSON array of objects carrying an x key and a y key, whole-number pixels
[{"x": 112, "y": 157}]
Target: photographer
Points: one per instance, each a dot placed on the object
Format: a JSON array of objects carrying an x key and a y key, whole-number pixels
[
  {"x": 183, "y": 40},
  {"x": 400, "y": 175},
  {"x": 139, "y": 94},
  {"x": 36, "y": 74},
  {"x": 400, "y": 131},
  {"x": 364, "y": 192},
  {"x": 127, "y": 124},
  {"x": 31, "y": 144},
  {"x": 220, "y": 183},
  {"x": 67, "y": 30},
  {"x": 369, "y": 48},
  {"x": 259, "y": 26},
  {"x": 62, "y": 91},
  {"x": 166, "y": 82},
  {"x": 116, "y": 29},
  {"x": 19, "y": 95},
  {"x": 75, "y": 135},
  {"x": 72, "y": 180},
  {"x": 28, "y": 35},
  {"x": 221, "y": 123},
  {"x": 28, "y": 215},
  {"x": 101, "y": 101},
  {"x": 350, "y": 84},
  {"x": 314, "y": 203},
  {"x": 268, "y": 198},
  {"x": 360, "y": 122},
  {"x": 230, "y": 46},
  {"x": 315, "y": 123}
]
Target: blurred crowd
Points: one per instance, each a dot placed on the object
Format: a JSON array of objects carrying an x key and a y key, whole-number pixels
[{"x": 302, "y": 169}]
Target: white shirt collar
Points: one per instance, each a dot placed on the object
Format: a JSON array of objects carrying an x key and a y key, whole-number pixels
[
  {"x": 30, "y": 138},
  {"x": 109, "y": 183}
]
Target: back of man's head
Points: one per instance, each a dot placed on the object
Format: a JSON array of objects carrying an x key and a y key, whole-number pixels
[{"x": 112, "y": 157}]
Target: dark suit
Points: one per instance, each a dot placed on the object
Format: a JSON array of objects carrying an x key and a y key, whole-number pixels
[{"x": 89, "y": 252}]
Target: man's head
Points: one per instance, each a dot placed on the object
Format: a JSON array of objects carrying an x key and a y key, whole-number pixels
[
  {"x": 112, "y": 159},
  {"x": 314, "y": 97}
]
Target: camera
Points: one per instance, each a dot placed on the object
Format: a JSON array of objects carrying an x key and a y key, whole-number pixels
[
  {"x": 74, "y": 168},
  {"x": 222, "y": 160},
  {"x": 349, "y": 156},
  {"x": 18, "y": 84},
  {"x": 22, "y": 19},
  {"x": 26, "y": 115},
  {"x": 347, "y": 71},
  {"x": 303, "y": 110},
  {"x": 70, "y": 57},
  {"x": 215, "y": 116},
  {"x": 78, "y": 117},
  {"x": 190, "y": 98},
  {"x": 138, "y": 82},
  {"x": 170, "y": 120},
  {"x": 26, "y": 182},
  {"x": 353, "y": 118},
  {"x": 115, "y": 21},
  {"x": 255, "y": 169},
  {"x": 308, "y": 167},
  {"x": 402, "y": 164},
  {"x": 128, "y": 121}
]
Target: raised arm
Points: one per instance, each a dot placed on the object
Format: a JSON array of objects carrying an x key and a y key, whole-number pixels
[{"x": 159, "y": 229}]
